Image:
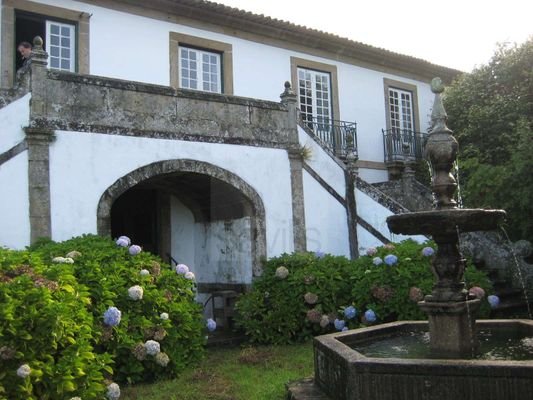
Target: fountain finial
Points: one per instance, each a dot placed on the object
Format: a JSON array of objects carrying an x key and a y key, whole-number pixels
[
  {"x": 438, "y": 115},
  {"x": 441, "y": 152}
]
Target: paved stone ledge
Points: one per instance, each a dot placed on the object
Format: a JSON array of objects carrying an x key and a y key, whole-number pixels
[{"x": 305, "y": 389}]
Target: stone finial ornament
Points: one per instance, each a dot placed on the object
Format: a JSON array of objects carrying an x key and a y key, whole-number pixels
[
  {"x": 441, "y": 152},
  {"x": 288, "y": 93},
  {"x": 38, "y": 55}
]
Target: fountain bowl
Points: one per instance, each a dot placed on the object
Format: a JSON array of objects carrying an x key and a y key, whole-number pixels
[
  {"x": 445, "y": 221},
  {"x": 343, "y": 373}
]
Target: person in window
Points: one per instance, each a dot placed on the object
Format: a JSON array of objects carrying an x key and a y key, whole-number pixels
[{"x": 25, "y": 50}]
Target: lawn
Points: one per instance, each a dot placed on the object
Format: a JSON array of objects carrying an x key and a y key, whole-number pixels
[{"x": 238, "y": 373}]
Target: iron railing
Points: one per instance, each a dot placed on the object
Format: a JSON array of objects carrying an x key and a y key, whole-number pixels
[
  {"x": 339, "y": 136},
  {"x": 393, "y": 144}
]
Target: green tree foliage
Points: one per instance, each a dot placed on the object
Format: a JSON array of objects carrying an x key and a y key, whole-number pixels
[{"x": 491, "y": 114}]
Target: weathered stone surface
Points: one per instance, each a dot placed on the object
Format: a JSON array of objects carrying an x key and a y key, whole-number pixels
[
  {"x": 305, "y": 389},
  {"x": 345, "y": 374},
  {"x": 85, "y": 103},
  {"x": 410, "y": 193}
]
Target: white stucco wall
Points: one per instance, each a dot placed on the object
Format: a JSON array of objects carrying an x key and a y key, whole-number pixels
[
  {"x": 217, "y": 251},
  {"x": 376, "y": 215},
  {"x": 14, "y": 203},
  {"x": 13, "y": 118},
  {"x": 322, "y": 163},
  {"x": 373, "y": 175},
  {"x": 84, "y": 165},
  {"x": 182, "y": 245},
  {"x": 223, "y": 251},
  {"x": 361, "y": 91},
  {"x": 325, "y": 220}
]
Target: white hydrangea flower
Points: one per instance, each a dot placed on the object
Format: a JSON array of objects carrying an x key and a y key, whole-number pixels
[
  {"x": 75, "y": 398},
  {"x": 73, "y": 254},
  {"x": 113, "y": 391},
  {"x": 164, "y": 316},
  {"x": 152, "y": 347},
  {"x": 59, "y": 260},
  {"x": 144, "y": 272},
  {"x": 24, "y": 371},
  {"x": 135, "y": 292},
  {"x": 68, "y": 260},
  {"x": 189, "y": 275},
  {"x": 282, "y": 272},
  {"x": 162, "y": 359}
]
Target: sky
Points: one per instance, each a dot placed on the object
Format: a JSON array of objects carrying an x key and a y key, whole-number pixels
[{"x": 455, "y": 33}]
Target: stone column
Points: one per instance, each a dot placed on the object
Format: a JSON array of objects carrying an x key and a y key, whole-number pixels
[
  {"x": 39, "y": 182},
  {"x": 288, "y": 98},
  {"x": 38, "y": 138},
  {"x": 350, "y": 175}
]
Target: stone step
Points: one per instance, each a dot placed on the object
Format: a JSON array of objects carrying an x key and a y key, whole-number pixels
[{"x": 304, "y": 389}]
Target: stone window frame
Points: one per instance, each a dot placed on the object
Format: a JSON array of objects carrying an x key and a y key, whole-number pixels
[
  {"x": 413, "y": 89},
  {"x": 225, "y": 49},
  {"x": 297, "y": 62},
  {"x": 79, "y": 18}
]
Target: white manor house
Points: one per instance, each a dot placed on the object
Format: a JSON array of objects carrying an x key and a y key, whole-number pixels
[{"x": 162, "y": 120}]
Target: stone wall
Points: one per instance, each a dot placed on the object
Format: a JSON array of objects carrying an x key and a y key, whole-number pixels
[{"x": 84, "y": 103}]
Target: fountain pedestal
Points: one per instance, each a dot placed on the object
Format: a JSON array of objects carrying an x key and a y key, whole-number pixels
[{"x": 452, "y": 327}]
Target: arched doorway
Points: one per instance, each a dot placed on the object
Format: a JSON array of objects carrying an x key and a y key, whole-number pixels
[{"x": 196, "y": 212}]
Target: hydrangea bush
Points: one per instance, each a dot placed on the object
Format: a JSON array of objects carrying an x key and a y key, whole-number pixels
[
  {"x": 302, "y": 295},
  {"x": 96, "y": 314}
]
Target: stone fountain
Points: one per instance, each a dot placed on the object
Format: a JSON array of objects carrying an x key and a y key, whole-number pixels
[{"x": 451, "y": 370}]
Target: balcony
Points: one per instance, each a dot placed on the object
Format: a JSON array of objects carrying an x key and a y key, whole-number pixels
[
  {"x": 338, "y": 136},
  {"x": 394, "y": 141}
]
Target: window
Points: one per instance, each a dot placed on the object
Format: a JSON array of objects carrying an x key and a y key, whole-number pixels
[
  {"x": 200, "y": 70},
  {"x": 65, "y": 33},
  {"x": 401, "y": 110},
  {"x": 402, "y": 122},
  {"x": 317, "y": 87},
  {"x": 60, "y": 46},
  {"x": 401, "y": 100},
  {"x": 200, "y": 64},
  {"x": 314, "y": 94}
]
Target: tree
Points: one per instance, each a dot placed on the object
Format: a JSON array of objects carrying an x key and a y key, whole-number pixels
[{"x": 491, "y": 113}]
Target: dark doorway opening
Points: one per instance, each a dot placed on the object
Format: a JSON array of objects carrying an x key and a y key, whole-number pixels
[
  {"x": 134, "y": 214},
  {"x": 27, "y": 26}
]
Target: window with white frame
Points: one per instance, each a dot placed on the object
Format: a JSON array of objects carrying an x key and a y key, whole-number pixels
[
  {"x": 60, "y": 46},
  {"x": 314, "y": 93},
  {"x": 401, "y": 110},
  {"x": 200, "y": 70}
]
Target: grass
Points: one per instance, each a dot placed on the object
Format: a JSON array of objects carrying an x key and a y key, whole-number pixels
[{"x": 256, "y": 373}]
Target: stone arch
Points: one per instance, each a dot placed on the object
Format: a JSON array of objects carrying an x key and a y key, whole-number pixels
[{"x": 166, "y": 167}]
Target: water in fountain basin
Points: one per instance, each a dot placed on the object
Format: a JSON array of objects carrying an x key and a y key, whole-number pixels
[
  {"x": 493, "y": 345},
  {"x": 519, "y": 271}
]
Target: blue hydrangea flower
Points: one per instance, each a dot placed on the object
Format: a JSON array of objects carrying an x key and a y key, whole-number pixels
[
  {"x": 182, "y": 269},
  {"x": 370, "y": 316},
  {"x": 134, "y": 250},
  {"x": 211, "y": 325},
  {"x": 112, "y": 316},
  {"x": 320, "y": 254},
  {"x": 377, "y": 261},
  {"x": 350, "y": 312},
  {"x": 339, "y": 324},
  {"x": 123, "y": 241},
  {"x": 428, "y": 251},
  {"x": 390, "y": 260},
  {"x": 493, "y": 300}
]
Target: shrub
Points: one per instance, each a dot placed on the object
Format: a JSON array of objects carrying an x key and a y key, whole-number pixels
[
  {"x": 45, "y": 324},
  {"x": 302, "y": 295},
  {"x": 111, "y": 273},
  {"x": 53, "y": 301}
]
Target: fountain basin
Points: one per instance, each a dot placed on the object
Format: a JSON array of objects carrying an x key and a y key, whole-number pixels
[
  {"x": 343, "y": 373},
  {"x": 445, "y": 221}
]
